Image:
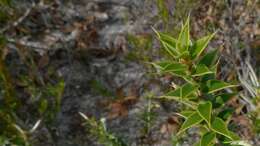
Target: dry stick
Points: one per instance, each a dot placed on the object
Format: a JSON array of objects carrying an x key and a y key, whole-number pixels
[{"x": 18, "y": 21}]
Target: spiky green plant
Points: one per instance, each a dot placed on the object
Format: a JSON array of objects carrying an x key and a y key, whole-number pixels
[
  {"x": 98, "y": 129},
  {"x": 201, "y": 93},
  {"x": 14, "y": 130}
]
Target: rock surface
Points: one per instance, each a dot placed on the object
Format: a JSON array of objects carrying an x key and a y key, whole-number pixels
[{"x": 90, "y": 38}]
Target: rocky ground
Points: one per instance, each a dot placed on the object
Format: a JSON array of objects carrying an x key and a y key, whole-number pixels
[{"x": 87, "y": 43}]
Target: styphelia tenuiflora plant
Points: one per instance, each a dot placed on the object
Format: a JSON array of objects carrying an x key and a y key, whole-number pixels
[{"x": 201, "y": 93}]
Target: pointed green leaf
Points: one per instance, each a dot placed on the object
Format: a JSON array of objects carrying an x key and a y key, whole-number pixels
[
  {"x": 186, "y": 102},
  {"x": 184, "y": 37},
  {"x": 168, "y": 39},
  {"x": 186, "y": 114},
  {"x": 226, "y": 113},
  {"x": 234, "y": 136},
  {"x": 188, "y": 89},
  {"x": 209, "y": 58},
  {"x": 173, "y": 66},
  {"x": 218, "y": 102},
  {"x": 175, "y": 93},
  {"x": 189, "y": 79},
  {"x": 207, "y": 139},
  {"x": 226, "y": 96},
  {"x": 182, "y": 73},
  {"x": 216, "y": 85},
  {"x": 192, "y": 120},
  {"x": 169, "y": 43},
  {"x": 219, "y": 126},
  {"x": 207, "y": 77},
  {"x": 184, "y": 54},
  {"x": 204, "y": 110},
  {"x": 240, "y": 143},
  {"x": 201, "y": 70},
  {"x": 200, "y": 45},
  {"x": 170, "y": 66},
  {"x": 214, "y": 67},
  {"x": 183, "y": 91},
  {"x": 221, "y": 99}
]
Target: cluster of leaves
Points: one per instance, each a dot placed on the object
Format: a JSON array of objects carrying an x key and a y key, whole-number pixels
[
  {"x": 98, "y": 129},
  {"x": 43, "y": 102},
  {"x": 201, "y": 92}
]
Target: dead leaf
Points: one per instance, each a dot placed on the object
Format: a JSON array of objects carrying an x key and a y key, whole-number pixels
[
  {"x": 120, "y": 107},
  {"x": 117, "y": 110},
  {"x": 170, "y": 126}
]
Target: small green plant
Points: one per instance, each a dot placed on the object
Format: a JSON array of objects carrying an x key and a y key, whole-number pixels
[
  {"x": 44, "y": 100},
  {"x": 98, "y": 129},
  {"x": 148, "y": 116},
  {"x": 201, "y": 91},
  {"x": 10, "y": 132}
]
